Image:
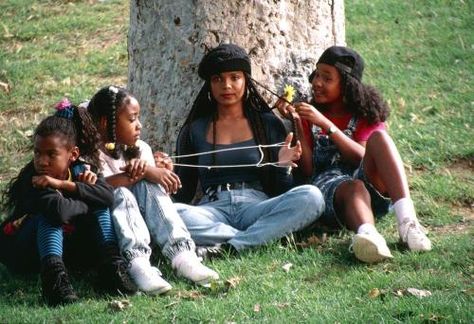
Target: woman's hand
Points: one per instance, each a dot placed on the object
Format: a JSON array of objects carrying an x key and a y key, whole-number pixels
[
  {"x": 168, "y": 180},
  {"x": 285, "y": 109},
  {"x": 162, "y": 160},
  {"x": 288, "y": 154},
  {"x": 135, "y": 169}
]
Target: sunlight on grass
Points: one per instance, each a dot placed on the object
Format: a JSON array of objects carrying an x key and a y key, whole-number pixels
[{"x": 418, "y": 53}]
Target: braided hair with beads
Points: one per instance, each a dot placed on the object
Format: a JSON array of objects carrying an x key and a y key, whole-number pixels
[
  {"x": 229, "y": 57},
  {"x": 105, "y": 103}
]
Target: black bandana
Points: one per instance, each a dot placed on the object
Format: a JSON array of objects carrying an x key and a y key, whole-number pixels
[{"x": 224, "y": 58}]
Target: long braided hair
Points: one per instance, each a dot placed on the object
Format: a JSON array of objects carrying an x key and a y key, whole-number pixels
[
  {"x": 106, "y": 103},
  {"x": 77, "y": 128},
  {"x": 254, "y": 105}
]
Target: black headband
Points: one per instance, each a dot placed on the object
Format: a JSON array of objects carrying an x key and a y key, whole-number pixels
[{"x": 224, "y": 58}]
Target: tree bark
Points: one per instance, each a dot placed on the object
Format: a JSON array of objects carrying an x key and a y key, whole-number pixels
[{"x": 167, "y": 39}]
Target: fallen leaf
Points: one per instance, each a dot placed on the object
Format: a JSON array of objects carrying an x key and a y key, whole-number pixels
[
  {"x": 193, "y": 294},
  {"x": 374, "y": 293},
  {"x": 119, "y": 305},
  {"x": 171, "y": 304},
  {"x": 233, "y": 282},
  {"x": 419, "y": 292},
  {"x": 66, "y": 81},
  {"x": 7, "y": 33},
  {"x": 398, "y": 292},
  {"x": 5, "y": 87},
  {"x": 469, "y": 291},
  {"x": 401, "y": 103},
  {"x": 256, "y": 308},
  {"x": 286, "y": 267},
  {"x": 283, "y": 305}
]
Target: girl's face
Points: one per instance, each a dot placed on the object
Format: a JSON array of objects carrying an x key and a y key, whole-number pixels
[
  {"x": 53, "y": 155},
  {"x": 128, "y": 127},
  {"x": 326, "y": 85},
  {"x": 228, "y": 88}
]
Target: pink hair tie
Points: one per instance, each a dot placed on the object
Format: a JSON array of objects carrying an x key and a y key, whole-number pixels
[
  {"x": 63, "y": 104},
  {"x": 64, "y": 109}
]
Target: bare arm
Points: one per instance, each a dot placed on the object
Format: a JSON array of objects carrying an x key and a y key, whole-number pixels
[
  {"x": 351, "y": 151},
  {"x": 138, "y": 170}
]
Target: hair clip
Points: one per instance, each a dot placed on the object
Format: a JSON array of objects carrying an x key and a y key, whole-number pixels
[
  {"x": 64, "y": 109},
  {"x": 110, "y": 146},
  {"x": 113, "y": 89}
]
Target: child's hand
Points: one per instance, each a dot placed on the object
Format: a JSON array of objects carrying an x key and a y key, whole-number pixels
[
  {"x": 162, "y": 160},
  {"x": 88, "y": 177},
  {"x": 135, "y": 169},
  {"x": 44, "y": 181},
  {"x": 288, "y": 154},
  {"x": 169, "y": 180},
  {"x": 311, "y": 114}
]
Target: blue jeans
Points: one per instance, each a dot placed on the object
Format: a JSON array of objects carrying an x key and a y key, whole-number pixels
[
  {"x": 145, "y": 211},
  {"x": 248, "y": 217}
]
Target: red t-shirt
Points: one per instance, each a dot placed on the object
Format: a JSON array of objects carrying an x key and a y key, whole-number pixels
[{"x": 361, "y": 134}]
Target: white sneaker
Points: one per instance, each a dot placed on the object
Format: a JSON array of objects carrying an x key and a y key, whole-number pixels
[
  {"x": 188, "y": 265},
  {"x": 414, "y": 235},
  {"x": 147, "y": 278},
  {"x": 370, "y": 248}
]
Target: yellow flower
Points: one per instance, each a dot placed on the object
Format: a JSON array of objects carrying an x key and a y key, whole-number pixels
[{"x": 289, "y": 92}]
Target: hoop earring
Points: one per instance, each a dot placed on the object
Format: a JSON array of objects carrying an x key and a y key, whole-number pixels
[{"x": 209, "y": 96}]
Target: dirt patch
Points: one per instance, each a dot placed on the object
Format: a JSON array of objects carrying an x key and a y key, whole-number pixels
[
  {"x": 463, "y": 168},
  {"x": 465, "y": 225}
]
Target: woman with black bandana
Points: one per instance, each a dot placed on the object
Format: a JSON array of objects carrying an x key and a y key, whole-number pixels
[{"x": 242, "y": 206}]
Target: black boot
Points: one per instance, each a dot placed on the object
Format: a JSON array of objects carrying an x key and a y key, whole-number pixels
[
  {"x": 56, "y": 288},
  {"x": 113, "y": 273}
]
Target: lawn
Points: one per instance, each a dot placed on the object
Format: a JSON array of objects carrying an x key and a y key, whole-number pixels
[{"x": 420, "y": 54}]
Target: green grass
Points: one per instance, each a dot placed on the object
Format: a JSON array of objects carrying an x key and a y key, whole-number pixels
[{"x": 418, "y": 53}]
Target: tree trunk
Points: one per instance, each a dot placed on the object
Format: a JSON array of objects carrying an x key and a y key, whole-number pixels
[{"x": 168, "y": 38}]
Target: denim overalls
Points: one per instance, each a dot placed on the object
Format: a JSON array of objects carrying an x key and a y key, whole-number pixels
[{"x": 330, "y": 171}]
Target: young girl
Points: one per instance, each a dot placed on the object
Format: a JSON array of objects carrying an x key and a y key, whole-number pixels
[
  {"x": 60, "y": 208},
  {"x": 141, "y": 192},
  {"x": 353, "y": 160}
]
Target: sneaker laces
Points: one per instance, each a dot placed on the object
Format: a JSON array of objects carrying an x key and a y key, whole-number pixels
[
  {"x": 414, "y": 226},
  {"x": 122, "y": 279}
]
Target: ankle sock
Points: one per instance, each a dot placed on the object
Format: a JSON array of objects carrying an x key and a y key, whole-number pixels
[
  {"x": 367, "y": 228},
  {"x": 404, "y": 209}
]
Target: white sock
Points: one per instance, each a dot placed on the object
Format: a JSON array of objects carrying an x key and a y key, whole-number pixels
[
  {"x": 367, "y": 228},
  {"x": 404, "y": 209}
]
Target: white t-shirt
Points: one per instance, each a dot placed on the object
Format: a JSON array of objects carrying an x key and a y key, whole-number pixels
[{"x": 110, "y": 166}]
